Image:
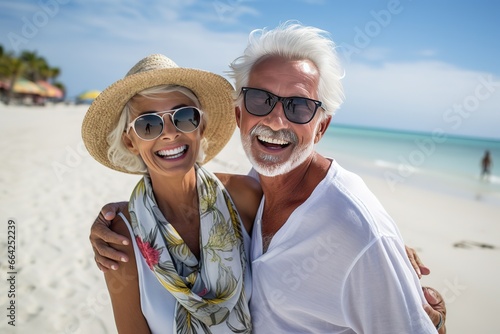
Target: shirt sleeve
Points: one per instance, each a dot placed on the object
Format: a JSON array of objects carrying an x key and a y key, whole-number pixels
[{"x": 382, "y": 293}]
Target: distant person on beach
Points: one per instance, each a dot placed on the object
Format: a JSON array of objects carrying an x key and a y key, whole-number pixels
[
  {"x": 190, "y": 270},
  {"x": 486, "y": 163},
  {"x": 326, "y": 257}
]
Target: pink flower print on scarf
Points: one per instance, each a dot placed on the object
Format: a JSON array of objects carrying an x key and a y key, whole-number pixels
[{"x": 150, "y": 254}]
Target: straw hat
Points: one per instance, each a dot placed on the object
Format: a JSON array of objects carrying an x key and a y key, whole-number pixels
[{"x": 213, "y": 91}]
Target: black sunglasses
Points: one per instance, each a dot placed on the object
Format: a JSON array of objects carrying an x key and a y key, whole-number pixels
[
  {"x": 150, "y": 126},
  {"x": 259, "y": 102}
]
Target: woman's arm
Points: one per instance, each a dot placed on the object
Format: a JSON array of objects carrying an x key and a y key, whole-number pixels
[{"x": 123, "y": 287}]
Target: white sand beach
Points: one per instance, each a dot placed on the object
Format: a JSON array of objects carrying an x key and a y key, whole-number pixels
[{"x": 52, "y": 189}]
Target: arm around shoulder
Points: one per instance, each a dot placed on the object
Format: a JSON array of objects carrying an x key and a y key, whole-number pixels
[{"x": 103, "y": 239}]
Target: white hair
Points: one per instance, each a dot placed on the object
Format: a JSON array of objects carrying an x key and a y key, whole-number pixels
[
  {"x": 118, "y": 153},
  {"x": 294, "y": 41}
]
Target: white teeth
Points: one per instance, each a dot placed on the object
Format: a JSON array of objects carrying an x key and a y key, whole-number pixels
[
  {"x": 174, "y": 156},
  {"x": 173, "y": 153},
  {"x": 273, "y": 141}
]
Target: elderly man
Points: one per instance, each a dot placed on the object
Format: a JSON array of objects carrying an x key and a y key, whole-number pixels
[{"x": 326, "y": 257}]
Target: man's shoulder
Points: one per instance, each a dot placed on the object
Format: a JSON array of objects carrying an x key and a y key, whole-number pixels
[
  {"x": 340, "y": 179},
  {"x": 347, "y": 197}
]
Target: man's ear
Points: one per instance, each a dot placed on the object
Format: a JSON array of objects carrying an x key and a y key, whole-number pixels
[
  {"x": 322, "y": 127},
  {"x": 237, "y": 113},
  {"x": 129, "y": 144}
]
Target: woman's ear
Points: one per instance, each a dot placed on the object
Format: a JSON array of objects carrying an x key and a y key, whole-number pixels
[
  {"x": 322, "y": 127},
  {"x": 129, "y": 143},
  {"x": 202, "y": 128}
]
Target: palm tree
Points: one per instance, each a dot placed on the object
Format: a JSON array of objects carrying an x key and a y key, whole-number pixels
[
  {"x": 35, "y": 65},
  {"x": 30, "y": 65},
  {"x": 38, "y": 68},
  {"x": 11, "y": 69},
  {"x": 50, "y": 74},
  {"x": 55, "y": 72}
]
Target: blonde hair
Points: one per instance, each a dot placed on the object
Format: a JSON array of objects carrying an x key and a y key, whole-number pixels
[{"x": 120, "y": 156}]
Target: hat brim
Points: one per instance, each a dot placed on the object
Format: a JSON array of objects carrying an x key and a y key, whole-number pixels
[{"x": 213, "y": 92}]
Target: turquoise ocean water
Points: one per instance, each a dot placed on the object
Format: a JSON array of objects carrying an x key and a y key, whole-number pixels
[{"x": 433, "y": 161}]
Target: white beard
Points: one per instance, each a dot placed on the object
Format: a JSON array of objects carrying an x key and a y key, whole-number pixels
[{"x": 270, "y": 165}]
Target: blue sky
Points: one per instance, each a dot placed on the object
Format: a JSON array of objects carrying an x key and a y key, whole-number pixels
[{"x": 416, "y": 65}]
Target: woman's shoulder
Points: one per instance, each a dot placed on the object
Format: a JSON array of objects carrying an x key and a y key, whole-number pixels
[
  {"x": 246, "y": 194},
  {"x": 240, "y": 184}
]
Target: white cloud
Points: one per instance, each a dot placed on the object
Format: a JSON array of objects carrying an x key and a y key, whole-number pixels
[
  {"x": 226, "y": 12},
  {"x": 422, "y": 96}
]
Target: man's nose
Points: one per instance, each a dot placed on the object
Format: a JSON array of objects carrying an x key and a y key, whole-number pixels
[{"x": 276, "y": 119}]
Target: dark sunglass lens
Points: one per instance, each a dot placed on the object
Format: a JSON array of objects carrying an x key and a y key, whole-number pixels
[
  {"x": 259, "y": 102},
  {"x": 300, "y": 110},
  {"x": 187, "y": 119},
  {"x": 148, "y": 126}
]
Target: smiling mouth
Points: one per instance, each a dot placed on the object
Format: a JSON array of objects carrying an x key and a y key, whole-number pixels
[
  {"x": 173, "y": 153},
  {"x": 272, "y": 142}
]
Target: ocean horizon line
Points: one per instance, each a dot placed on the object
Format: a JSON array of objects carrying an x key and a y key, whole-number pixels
[{"x": 409, "y": 132}]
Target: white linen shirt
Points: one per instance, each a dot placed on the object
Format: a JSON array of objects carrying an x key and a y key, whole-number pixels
[{"x": 338, "y": 265}]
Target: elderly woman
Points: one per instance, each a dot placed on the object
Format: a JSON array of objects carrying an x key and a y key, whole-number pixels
[{"x": 189, "y": 228}]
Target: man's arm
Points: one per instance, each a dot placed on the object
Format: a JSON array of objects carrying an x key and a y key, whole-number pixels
[
  {"x": 382, "y": 295},
  {"x": 107, "y": 257},
  {"x": 102, "y": 238}
]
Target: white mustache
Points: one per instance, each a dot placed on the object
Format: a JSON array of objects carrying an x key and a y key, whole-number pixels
[{"x": 265, "y": 131}]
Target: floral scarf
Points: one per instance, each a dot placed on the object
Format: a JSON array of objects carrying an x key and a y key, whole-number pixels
[{"x": 210, "y": 293}]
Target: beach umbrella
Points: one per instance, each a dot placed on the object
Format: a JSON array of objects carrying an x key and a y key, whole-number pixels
[
  {"x": 89, "y": 95},
  {"x": 50, "y": 90},
  {"x": 24, "y": 86}
]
